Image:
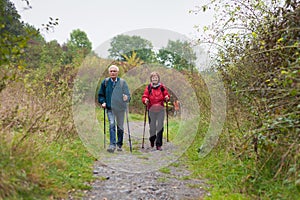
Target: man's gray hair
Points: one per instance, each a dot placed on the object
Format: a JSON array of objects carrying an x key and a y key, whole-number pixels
[{"x": 113, "y": 66}]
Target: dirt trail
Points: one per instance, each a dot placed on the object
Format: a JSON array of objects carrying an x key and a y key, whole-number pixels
[{"x": 138, "y": 175}]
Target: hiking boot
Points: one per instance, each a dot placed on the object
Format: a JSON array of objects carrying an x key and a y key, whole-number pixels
[
  {"x": 152, "y": 144},
  {"x": 111, "y": 149},
  {"x": 119, "y": 149},
  {"x": 159, "y": 148}
]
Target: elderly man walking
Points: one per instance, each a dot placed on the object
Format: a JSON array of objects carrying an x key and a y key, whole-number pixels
[{"x": 113, "y": 95}]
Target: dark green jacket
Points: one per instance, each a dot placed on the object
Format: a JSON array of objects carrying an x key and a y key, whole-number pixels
[{"x": 113, "y": 95}]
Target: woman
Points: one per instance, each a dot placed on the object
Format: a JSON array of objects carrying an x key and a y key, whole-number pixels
[{"x": 154, "y": 96}]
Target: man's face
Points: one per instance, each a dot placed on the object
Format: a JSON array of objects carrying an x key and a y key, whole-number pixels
[{"x": 113, "y": 73}]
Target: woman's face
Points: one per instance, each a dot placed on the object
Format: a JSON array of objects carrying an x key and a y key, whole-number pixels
[{"x": 154, "y": 79}]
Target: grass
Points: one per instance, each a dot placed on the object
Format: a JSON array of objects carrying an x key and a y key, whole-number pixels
[
  {"x": 57, "y": 169},
  {"x": 185, "y": 178},
  {"x": 165, "y": 170},
  {"x": 71, "y": 167},
  {"x": 233, "y": 178},
  {"x": 162, "y": 179},
  {"x": 175, "y": 164},
  {"x": 53, "y": 172},
  {"x": 131, "y": 116},
  {"x": 223, "y": 173},
  {"x": 136, "y": 117}
]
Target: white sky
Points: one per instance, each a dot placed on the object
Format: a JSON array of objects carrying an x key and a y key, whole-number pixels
[{"x": 101, "y": 20}]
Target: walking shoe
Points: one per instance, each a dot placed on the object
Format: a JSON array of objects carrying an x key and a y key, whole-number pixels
[
  {"x": 159, "y": 148},
  {"x": 119, "y": 149},
  {"x": 111, "y": 149},
  {"x": 152, "y": 143}
]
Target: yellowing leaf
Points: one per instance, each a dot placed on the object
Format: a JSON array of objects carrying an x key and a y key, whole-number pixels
[{"x": 280, "y": 39}]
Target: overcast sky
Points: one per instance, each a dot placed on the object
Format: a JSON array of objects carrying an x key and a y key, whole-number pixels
[{"x": 101, "y": 20}]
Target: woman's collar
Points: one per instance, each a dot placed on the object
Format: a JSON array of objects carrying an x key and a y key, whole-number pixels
[{"x": 155, "y": 86}]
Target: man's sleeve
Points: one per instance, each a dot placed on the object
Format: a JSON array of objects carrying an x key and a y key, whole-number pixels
[
  {"x": 126, "y": 91},
  {"x": 101, "y": 93}
]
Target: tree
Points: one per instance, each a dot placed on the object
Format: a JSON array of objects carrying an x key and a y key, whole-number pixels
[
  {"x": 258, "y": 50},
  {"x": 79, "y": 40},
  {"x": 13, "y": 40},
  {"x": 125, "y": 45},
  {"x": 51, "y": 54},
  {"x": 77, "y": 47},
  {"x": 133, "y": 60},
  {"x": 33, "y": 51},
  {"x": 11, "y": 29},
  {"x": 178, "y": 55}
]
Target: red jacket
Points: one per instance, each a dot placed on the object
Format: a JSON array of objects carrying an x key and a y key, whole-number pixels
[{"x": 156, "y": 95}]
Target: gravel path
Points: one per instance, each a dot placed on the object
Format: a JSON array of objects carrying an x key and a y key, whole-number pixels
[{"x": 144, "y": 174}]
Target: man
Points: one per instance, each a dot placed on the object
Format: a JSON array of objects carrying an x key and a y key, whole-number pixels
[{"x": 113, "y": 96}]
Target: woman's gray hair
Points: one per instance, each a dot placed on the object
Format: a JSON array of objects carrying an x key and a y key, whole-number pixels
[
  {"x": 153, "y": 74},
  {"x": 113, "y": 66}
]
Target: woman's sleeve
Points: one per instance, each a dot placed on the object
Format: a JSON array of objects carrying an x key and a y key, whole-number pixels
[
  {"x": 145, "y": 95},
  {"x": 166, "y": 93}
]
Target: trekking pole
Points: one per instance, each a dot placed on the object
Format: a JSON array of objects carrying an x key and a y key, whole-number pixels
[
  {"x": 104, "y": 127},
  {"x": 144, "y": 127},
  {"x": 130, "y": 146},
  {"x": 167, "y": 121}
]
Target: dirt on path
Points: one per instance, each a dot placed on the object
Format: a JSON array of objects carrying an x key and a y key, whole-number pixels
[{"x": 144, "y": 174}]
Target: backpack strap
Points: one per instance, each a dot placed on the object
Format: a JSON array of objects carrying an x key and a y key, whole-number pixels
[
  {"x": 162, "y": 88},
  {"x": 106, "y": 80},
  {"x": 121, "y": 82},
  {"x": 149, "y": 89}
]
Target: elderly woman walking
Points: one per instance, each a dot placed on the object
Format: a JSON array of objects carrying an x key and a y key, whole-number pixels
[{"x": 155, "y": 94}]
